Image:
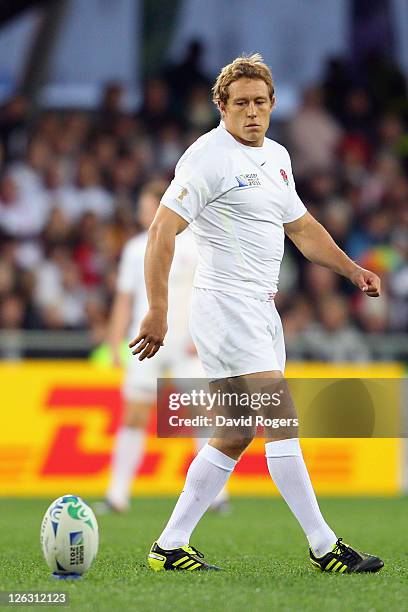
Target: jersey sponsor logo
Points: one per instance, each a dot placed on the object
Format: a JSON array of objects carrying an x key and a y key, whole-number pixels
[
  {"x": 248, "y": 180},
  {"x": 182, "y": 194},
  {"x": 284, "y": 176}
]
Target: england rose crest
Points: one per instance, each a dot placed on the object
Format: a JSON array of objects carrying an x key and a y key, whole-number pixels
[{"x": 284, "y": 176}]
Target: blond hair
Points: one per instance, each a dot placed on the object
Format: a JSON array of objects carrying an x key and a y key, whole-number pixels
[{"x": 250, "y": 67}]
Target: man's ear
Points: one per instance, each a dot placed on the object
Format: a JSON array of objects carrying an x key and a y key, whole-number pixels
[
  {"x": 221, "y": 107},
  {"x": 273, "y": 102}
]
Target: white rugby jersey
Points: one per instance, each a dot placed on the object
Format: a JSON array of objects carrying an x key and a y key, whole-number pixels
[
  {"x": 237, "y": 199},
  {"x": 131, "y": 280}
]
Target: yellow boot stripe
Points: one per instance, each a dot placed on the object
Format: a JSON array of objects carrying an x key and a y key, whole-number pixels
[
  {"x": 193, "y": 567},
  {"x": 336, "y": 567},
  {"x": 180, "y": 561},
  {"x": 343, "y": 569},
  {"x": 155, "y": 564},
  {"x": 329, "y": 565},
  {"x": 187, "y": 563}
]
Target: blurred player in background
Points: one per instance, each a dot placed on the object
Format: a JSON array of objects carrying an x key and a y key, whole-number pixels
[{"x": 178, "y": 356}]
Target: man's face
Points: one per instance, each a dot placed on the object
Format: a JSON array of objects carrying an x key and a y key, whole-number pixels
[{"x": 247, "y": 111}]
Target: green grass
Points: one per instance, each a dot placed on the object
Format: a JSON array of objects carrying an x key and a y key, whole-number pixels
[{"x": 259, "y": 545}]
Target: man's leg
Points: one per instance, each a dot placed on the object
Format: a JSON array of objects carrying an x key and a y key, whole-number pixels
[
  {"x": 288, "y": 470},
  {"x": 286, "y": 464},
  {"x": 220, "y": 504},
  {"x": 128, "y": 452},
  {"x": 289, "y": 473},
  {"x": 206, "y": 476}
]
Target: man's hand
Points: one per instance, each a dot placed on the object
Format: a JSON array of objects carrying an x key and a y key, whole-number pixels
[
  {"x": 366, "y": 281},
  {"x": 152, "y": 331}
]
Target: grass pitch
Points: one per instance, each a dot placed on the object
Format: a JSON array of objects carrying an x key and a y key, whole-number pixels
[{"x": 260, "y": 546}]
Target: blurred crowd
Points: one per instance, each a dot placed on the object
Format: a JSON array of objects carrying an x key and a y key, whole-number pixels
[{"x": 70, "y": 183}]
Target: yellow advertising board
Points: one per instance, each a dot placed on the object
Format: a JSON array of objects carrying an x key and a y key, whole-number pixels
[{"x": 59, "y": 420}]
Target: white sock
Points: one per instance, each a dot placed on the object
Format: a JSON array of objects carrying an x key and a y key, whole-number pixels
[
  {"x": 206, "y": 476},
  {"x": 223, "y": 495},
  {"x": 288, "y": 471},
  {"x": 126, "y": 458}
]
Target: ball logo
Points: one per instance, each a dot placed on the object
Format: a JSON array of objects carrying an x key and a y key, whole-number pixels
[
  {"x": 76, "y": 538},
  {"x": 79, "y": 511},
  {"x": 55, "y": 512},
  {"x": 76, "y": 556}
]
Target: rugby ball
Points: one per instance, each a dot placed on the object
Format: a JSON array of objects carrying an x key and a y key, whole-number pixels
[{"x": 69, "y": 536}]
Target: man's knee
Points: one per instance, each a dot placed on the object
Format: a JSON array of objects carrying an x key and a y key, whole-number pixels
[{"x": 232, "y": 446}]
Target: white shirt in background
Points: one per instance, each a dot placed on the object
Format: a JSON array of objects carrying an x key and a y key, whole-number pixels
[{"x": 131, "y": 280}]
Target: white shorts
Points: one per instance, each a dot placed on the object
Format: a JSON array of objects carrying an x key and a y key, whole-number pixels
[
  {"x": 140, "y": 382},
  {"x": 236, "y": 334}
]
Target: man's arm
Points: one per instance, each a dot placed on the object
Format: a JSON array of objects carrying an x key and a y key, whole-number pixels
[
  {"x": 318, "y": 246},
  {"x": 158, "y": 258},
  {"x": 119, "y": 323}
]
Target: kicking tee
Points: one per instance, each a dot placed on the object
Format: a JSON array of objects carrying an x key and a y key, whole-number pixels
[{"x": 236, "y": 198}]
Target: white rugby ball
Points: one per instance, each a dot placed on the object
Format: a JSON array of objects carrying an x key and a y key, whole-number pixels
[{"x": 69, "y": 535}]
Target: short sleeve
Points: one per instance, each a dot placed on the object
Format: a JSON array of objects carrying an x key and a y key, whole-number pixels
[
  {"x": 296, "y": 208},
  {"x": 130, "y": 269},
  {"x": 194, "y": 185}
]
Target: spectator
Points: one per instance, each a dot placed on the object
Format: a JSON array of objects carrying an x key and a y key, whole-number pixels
[
  {"x": 188, "y": 74},
  {"x": 111, "y": 106},
  {"x": 398, "y": 281},
  {"x": 156, "y": 111},
  {"x": 92, "y": 196},
  {"x": 61, "y": 296},
  {"x": 13, "y": 126},
  {"x": 169, "y": 148},
  {"x": 374, "y": 229},
  {"x": 313, "y": 134},
  {"x": 200, "y": 112},
  {"x": 384, "y": 172},
  {"x": 22, "y": 214},
  {"x": 296, "y": 321},
  {"x": 320, "y": 281},
  {"x": 28, "y": 173},
  {"x": 89, "y": 252},
  {"x": 12, "y": 312},
  {"x": 334, "y": 339},
  {"x": 358, "y": 116}
]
